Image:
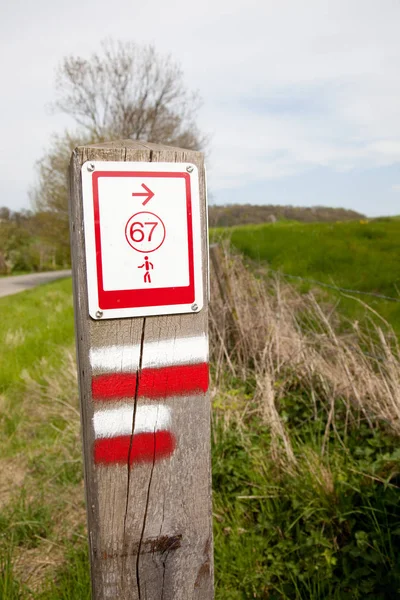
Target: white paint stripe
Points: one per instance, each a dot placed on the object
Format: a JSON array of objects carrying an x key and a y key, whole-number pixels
[
  {"x": 124, "y": 359},
  {"x": 111, "y": 422},
  {"x": 164, "y": 353},
  {"x": 181, "y": 351}
]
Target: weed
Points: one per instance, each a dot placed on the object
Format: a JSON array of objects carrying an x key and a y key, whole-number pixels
[
  {"x": 25, "y": 521},
  {"x": 72, "y": 579},
  {"x": 10, "y": 587}
]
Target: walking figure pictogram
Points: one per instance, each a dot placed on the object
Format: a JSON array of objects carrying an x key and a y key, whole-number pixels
[{"x": 148, "y": 265}]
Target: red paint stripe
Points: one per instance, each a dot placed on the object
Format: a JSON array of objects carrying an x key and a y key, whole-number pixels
[
  {"x": 121, "y": 385},
  {"x": 153, "y": 383},
  {"x": 173, "y": 381},
  {"x": 146, "y": 447}
]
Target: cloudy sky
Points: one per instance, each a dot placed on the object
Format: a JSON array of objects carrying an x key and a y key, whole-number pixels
[{"x": 301, "y": 99}]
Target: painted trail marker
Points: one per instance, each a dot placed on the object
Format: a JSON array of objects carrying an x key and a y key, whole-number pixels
[
  {"x": 143, "y": 248},
  {"x": 139, "y": 249}
]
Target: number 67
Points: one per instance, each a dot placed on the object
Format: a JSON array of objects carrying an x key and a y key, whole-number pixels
[{"x": 137, "y": 228}]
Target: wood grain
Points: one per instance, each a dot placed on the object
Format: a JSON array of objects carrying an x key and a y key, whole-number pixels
[{"x": 149, "y": 526}]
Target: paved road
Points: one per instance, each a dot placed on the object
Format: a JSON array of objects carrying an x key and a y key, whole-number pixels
[{"x": 19, "y": 283}]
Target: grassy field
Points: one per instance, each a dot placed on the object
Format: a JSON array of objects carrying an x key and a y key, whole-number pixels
[
  {"x": 42, "y": 517},
  {"x": 306, "y": 466},
  {"x": 360, "y": 255}
]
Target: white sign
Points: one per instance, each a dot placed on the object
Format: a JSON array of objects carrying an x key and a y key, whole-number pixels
[{"x": 143, "y": 238}]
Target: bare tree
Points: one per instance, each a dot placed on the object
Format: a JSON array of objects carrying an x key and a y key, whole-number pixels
[
  {"x": 129, "y": 91},
  {"x": 125, "y": 91}
]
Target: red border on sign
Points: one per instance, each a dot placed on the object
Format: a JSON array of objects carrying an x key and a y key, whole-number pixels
[{"x": 116, "y": 299}]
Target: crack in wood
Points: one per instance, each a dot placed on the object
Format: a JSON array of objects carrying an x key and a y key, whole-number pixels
[
  {"x": 170, "y": 543},
  {"x": 133, "y": 421},
  {"x": 164, "y": 565},
  {"x": 144, "y": 520},
  {"x": 165, "y": 543},
  {"x": 205, "y": 568}
]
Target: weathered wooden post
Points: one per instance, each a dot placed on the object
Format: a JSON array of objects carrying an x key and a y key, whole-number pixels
[{"x": 139, "y": 252}]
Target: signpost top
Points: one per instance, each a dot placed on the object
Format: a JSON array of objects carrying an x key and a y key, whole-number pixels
[{"x": 142, "y": 238}]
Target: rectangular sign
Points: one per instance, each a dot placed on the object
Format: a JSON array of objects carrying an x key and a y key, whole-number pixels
[{"x": 142, "y": 237}]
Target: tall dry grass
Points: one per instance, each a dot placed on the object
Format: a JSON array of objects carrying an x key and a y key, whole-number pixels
[{"x": 263, "y": 328}]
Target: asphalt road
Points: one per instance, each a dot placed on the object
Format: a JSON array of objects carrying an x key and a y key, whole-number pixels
[{"x": 19, "y": 283}]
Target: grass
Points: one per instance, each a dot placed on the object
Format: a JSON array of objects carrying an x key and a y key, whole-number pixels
[
  {"x": 354, "y": 254},
  {"x": 306, "y": 466},
  {"x": 72, "y": 581},
  {"x": 34, "y": 324},
  {"x": 26, "y": 521},
  {"x": 359, "y": 255},
  {"x": 41, "y": 489},
  {"x": 15, "y": 273},
  {"x": 323, "y": 529},
  {"x": 305, "y": 459}
]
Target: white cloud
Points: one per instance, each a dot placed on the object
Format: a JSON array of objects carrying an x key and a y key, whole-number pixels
[{"x": 339, "y": 60}]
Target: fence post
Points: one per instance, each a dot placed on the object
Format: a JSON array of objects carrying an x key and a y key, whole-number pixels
[{"x": 143, "y": 374}]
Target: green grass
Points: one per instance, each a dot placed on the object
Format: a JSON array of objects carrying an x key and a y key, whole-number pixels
[
  {"x": 40, "y": 445},
  {"x": 15, "y": 273},
  {"x": 360, "y": 255},
  {"x": 72, "y": 580},
  {"x": 34, "y": 325},
  {"x": 327, "y": 528},
  {"x": 26, "y": 521}
]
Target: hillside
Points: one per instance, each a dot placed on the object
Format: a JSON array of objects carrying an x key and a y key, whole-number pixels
[
  {"x": 358, "y": 255},
  {"x": 244, "y": 214}
]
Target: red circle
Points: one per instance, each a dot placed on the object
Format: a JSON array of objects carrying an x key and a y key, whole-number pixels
[{"x": 144, "y": 212}]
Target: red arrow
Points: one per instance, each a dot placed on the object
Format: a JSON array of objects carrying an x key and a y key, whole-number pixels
[{"x": 147, "y": 193}]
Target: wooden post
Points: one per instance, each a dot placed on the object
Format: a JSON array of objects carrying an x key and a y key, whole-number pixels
[{"x": 145, "y": 422}]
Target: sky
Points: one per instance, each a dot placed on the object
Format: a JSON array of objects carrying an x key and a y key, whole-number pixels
[{"x": 301, "y": 100}]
